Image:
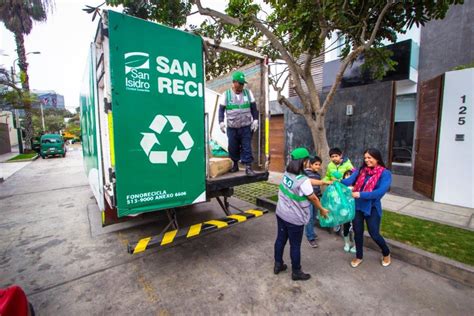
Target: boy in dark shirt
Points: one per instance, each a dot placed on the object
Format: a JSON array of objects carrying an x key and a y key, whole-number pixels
[{"x": 311, "y": 171}]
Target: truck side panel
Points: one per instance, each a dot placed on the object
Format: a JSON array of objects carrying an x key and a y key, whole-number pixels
[
  {"x": 158, "y": 115},
  {"x": 90, "y": 130}
]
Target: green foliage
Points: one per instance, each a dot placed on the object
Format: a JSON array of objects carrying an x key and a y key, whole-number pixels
[
  {"x": 16, "y": 98},
  {"x": 378, "y": 62},
  {"x": 53, "y": 120},
  {"x": 466, "y": 66},
  {"x": 169, "y": 12},
  {"x": 300, "y": 26},
  {"x": 18, "y": 15},
  {"x": 74, "y": 129},
  {"x": 219, "y": 62}
]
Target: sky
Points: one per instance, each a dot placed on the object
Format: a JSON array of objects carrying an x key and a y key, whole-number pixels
[{"x": 63, "y": 41}]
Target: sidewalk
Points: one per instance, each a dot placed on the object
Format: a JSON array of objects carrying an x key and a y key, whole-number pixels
[
  {"x": 7, "y": 169},
  {"x": 423, "y": 208}
]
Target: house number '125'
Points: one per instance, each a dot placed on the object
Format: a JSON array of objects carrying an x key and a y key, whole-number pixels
[{"x": 462, "y": 112}]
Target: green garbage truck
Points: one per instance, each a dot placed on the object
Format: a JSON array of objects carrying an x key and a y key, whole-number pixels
[{"x": 145, "y": 128}]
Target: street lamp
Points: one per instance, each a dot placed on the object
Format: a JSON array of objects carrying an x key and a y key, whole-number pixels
[{"x": 14, "y": 62}]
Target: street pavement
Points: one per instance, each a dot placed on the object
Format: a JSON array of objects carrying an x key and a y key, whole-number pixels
[{"x": 52, "y": 245}]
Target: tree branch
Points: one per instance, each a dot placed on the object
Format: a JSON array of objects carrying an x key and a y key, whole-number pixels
[
  {"x": 213, "y": 13},
  {"x": 351, "y": 57},
  {"x": 283, "y": 100},
  {"x": 377, "y": 24},
  {"x": 308, "y": 76},
  {"x": 293, "y": 67}
]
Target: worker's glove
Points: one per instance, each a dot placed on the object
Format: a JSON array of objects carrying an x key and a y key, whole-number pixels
[
  {"x": 222, "y": 125},
  {"x": 254, "y": 126}
]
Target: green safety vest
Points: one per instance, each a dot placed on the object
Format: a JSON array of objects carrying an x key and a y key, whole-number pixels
[
  {"x": 292, "y": 207},
  {"x": 238, "y": 111}
]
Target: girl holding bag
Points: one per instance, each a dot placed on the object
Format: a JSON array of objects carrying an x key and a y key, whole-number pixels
[{"x": 370, "y": 182}]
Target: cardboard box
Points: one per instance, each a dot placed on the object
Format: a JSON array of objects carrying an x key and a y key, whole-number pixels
[{"x": 219, "y": 166}]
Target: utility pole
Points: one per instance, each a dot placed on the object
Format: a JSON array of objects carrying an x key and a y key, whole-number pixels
[
  {"x": 42, "y": 115},
  {"x": 16, "y": 118},
  {"x": 17, "y": 125}
]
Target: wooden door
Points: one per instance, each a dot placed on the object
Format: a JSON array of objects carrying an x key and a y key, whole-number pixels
[
  {"x": 5, "y": 146},
  {"x": 277, "y": 143},
  {"x": 427, "y": 133}
]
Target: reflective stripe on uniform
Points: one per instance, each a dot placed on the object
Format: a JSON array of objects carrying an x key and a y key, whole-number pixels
[{"x": 290, "y": 195}]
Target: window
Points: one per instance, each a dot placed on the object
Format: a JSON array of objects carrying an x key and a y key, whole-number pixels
[{"x": 404, "y": 128}]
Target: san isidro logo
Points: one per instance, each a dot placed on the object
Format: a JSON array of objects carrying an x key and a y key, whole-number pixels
[{"x": 137, "y": 66}]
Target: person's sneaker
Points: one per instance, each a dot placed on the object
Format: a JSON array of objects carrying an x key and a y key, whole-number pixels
[
  {"x": 313, "y": 243},
  {"x": 235, "y": 167},
  {"x": 279, "y": 267},
  {"x": 300, "y": 276},
  {"x": 347, "y": 247},
  {"x": 248, "y": 171},
  {"x": 353, "y": 249}
]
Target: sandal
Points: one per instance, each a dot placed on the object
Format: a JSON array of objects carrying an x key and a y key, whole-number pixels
[
  {"x": 356, "y": 262},
  {"x": 386, "y": 261}
]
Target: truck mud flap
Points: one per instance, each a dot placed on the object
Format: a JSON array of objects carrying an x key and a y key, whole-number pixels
[{"x": 171, "y": 237}]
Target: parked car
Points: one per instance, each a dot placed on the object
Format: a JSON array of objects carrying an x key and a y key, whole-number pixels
[
  {"x": 52, "y": 145},
  {"x": 36, "y": 144}
]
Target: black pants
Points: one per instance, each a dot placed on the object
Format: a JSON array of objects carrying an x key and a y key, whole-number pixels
[
  {"x": 373, "y": 225},
  {"x": 346, "y": 228},
  {"x": 295, "y": 234},
  {"x": 240, "y": 144}
]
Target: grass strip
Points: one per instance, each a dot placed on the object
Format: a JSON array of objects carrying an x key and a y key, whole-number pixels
[
  {"x": 23, "y": 157},
  {"x": 444, "y": 240}
]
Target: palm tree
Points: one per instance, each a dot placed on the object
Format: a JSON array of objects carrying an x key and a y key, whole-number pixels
[{"x": 18, "y": 17}]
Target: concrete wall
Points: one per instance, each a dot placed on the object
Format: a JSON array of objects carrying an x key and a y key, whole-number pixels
[
  {"x": 369, "y": 126},
  {"x": 7, "y": 118},
  {"x": 447, "y": 43}
]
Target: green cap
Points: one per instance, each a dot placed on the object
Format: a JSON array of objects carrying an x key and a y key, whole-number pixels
[
  {"x": 299, "y": 153},
  {"x": 239, "y": 77}
]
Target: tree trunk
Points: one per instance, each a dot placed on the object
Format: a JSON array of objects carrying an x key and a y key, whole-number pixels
[
  {"x": 23, "y": 64},
  {"x": 318, "y": 132}
]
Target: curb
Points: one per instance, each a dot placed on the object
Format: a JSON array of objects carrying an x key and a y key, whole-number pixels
[{"x": 442, "y": 266}]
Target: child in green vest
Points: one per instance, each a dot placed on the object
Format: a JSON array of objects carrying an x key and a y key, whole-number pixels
[{"x": 338, "y": 165}]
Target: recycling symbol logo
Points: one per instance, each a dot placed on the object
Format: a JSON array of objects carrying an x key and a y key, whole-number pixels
[{"x": 149, "y": 140}]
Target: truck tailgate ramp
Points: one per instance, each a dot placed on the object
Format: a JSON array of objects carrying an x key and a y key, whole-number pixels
[{"x": 171, "y": 237}]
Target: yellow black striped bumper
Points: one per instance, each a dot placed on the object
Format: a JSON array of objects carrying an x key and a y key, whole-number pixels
[{"x": 193, "y": 231}]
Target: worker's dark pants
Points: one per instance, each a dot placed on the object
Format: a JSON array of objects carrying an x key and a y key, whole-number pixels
[
  {"x": 240, "y": 144},
  {"x": 295, "y": 234}
]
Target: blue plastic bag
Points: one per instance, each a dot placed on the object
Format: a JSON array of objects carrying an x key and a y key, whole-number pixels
[{"x": 341, "y": 205}]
